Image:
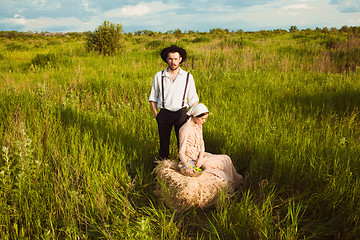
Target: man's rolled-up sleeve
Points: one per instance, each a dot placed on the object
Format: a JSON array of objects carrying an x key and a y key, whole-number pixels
[
  {"x": 192, "y": 95},
  {"x": 154, "y": 94}
]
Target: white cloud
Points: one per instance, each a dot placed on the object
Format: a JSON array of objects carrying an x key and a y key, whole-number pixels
[
  {"x": 19, "y": 20},
  {"x": 45, "y": 6},
  {"x": 347, "y": 5},
  {"x": 46, "y": 23},
  {"x": 41, "y": 3},
  {"x": 350, "y": 5},
  {"x": 355, "y": 21},
  {"x": 138, "y": 10},
  {"x": 202, "y": 15},
  {"x": 85, "y": 5},
  {"x": 297, "y": 7},
  {"x": 279, "y": 15}
]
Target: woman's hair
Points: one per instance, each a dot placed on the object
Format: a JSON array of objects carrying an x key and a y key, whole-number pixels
[{"x": 201, "y": 114}]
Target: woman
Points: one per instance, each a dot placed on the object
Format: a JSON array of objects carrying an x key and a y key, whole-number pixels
[{"x": 192, "y": 148}]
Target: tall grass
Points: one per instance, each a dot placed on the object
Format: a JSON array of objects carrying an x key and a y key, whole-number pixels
[{"x": 79, "y": 142}]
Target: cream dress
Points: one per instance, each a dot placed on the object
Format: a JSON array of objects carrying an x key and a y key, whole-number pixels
[{"x": 191, "y": 143}]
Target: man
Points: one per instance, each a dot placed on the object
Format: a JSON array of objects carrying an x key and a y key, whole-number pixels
[{"x": 173, "y": 91}]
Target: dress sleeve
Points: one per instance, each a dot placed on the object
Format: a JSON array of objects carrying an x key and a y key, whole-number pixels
[
  {"x": 183, "y": 137},
  {"x": 202, "y": 147}
]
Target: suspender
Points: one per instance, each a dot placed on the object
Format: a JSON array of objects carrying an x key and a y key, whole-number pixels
[
  {"x": 187, "y": 80},
  {"x": 162, "y": 86}
]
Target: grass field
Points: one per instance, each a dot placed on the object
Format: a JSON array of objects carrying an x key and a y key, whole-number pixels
[{"x": 79, "y": 141}]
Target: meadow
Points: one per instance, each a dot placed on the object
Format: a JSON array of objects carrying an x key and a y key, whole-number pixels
[{"x": 79, "y": 141}]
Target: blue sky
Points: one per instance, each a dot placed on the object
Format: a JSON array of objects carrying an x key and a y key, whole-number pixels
[{"x": 157, "y": 15}]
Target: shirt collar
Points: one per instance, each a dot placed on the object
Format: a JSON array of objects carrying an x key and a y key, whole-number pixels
[{"x": 181, "y": 72}]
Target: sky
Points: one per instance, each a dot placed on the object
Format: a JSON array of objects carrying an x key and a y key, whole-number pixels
[{"x": 186, "y": 15}]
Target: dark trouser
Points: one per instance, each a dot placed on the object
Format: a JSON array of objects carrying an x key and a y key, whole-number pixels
[{"x": 166, "y": 120}]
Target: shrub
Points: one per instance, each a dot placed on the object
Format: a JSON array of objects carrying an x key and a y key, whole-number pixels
[
  {"x": 51, "y": 60},
  {"x": 41, "y": 60},
  {"x": 53, "y": 43},
  {"x": 333, "y": 41},
  {"x": 238, "y": 42},
  {"x": 346, "y": 60},
  {"x": 201, "y": 39},
  {"x": 293, "y": 29},
  {"x": 346, "y": 56},
  {"x": 16, "y": 47},
  {"x": 107, "y": 39},
  {"x": 155, "y": 44},
  {"x": 219, "y": 31}
]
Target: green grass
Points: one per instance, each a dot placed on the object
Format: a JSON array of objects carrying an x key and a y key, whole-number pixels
[{"x": 79, "y": 141}]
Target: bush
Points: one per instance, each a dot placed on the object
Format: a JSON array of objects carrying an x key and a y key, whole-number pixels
[
  {"x": 155, "y": 44},
  {"x": 201, "y": 39},
  {"x": 53, "y": 43},
  {"x": 346, "y": 56},
  {"x": 107, "y": 39},
  {"x": 333, "y": 41},
  {"x": 51, "y": 60},
  {"x": 293, "y": 29},
  {"x": 16, "y": 47},
  {"x": 238, "y": 42},
  {"x": 41, "y": 60}
]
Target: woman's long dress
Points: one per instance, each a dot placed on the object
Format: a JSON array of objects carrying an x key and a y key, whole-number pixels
[{"x": 191, "y": 143}]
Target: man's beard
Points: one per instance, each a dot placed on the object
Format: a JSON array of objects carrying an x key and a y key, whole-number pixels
[{"x": 174, "y": 67}]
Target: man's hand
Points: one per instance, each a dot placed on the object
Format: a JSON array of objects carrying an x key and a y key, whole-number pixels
[{"x": 154, "y": 108}]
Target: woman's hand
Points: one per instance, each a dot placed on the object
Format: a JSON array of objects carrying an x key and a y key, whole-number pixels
[
  {"x": 190, "y": 170},
  {"x": 200, "y": 161}
]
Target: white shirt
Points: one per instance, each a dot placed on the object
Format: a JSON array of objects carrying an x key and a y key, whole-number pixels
[{"x": 173, "y": 91}]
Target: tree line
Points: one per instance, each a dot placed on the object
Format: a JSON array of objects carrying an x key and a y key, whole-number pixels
[{"x": 292, "y": 29}]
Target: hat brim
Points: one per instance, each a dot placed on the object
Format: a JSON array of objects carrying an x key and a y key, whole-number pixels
[{"x": 164, "y": 53}]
